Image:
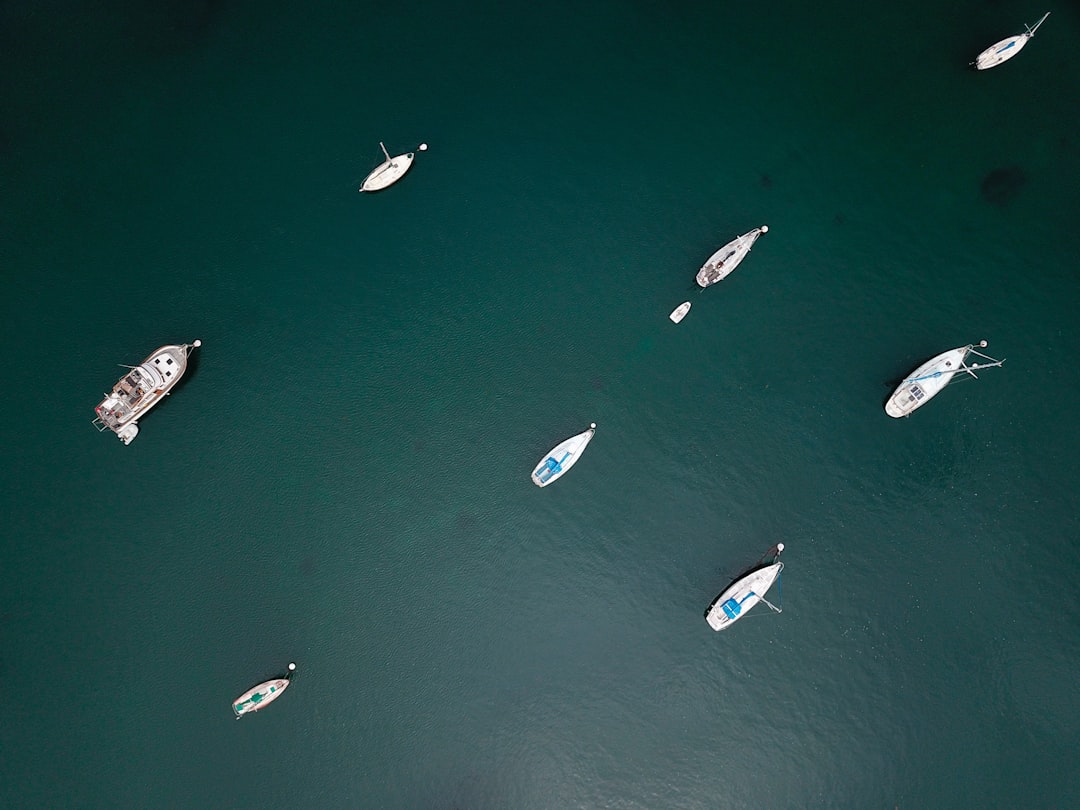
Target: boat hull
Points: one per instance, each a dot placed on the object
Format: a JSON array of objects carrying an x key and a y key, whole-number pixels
[
  {"x": 925, "y": 382},
  {"x": 259, "y": 696},
  {"x": 741, "y": 596},
  {"x": 388, "y": 172},
  {"x": 1001, "y": 52},
  {"x": 679, "y": 312},
  {"x": 143, "y": 387},
  {"x": 724, "y": 261},
  {"x": 562, "y": 457}
]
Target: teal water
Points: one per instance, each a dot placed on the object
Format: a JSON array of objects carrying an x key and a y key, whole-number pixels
[{"x": 342, "y": 478}]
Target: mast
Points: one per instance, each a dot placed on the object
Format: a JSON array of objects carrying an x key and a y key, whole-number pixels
[{"x": 1031, "y": 31}]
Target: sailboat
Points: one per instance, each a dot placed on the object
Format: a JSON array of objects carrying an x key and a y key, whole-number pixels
[
  {"x": 1006, "y": 49},
  {"x": 726, "y": 259},
  {"x": 265, "y": 693},
  {"x": 562, "y": 457},
  {"x": 390, "y": 170},
  {"x": 745, "y": 592},
  {"x": 931, "y": 377}
]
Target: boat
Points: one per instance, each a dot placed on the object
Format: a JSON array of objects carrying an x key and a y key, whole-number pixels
[
  {"x": 745, "y": 592},
  {"x": 727, "y": 258},
  {"x": 262, "y": 695},
  {"x": 1006, "y": 49},
  {"x": 679, "y": 312},
  {"x": 927, "y": 380},
  {"x": 143, "y": 387},
  {"x": 562, "y": 457},
  {"x": 390, "y": 170}
]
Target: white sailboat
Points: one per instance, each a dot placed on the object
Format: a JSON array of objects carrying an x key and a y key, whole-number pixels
[
  {"x": 720, "y": 265},
  {"x": 1006, "y": 49},
  {"x": 562, "y": 457},
  {"x": 931, "y": 377},
  {"x": 265, "y": 693},
  {"x": 744, "y": 593},
  {"x": 390, "y": 170}
]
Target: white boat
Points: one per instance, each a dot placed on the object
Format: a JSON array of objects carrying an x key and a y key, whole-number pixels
[
  {"x": 679, "y": 312},
  {"x": 1006, "y": 49},
  {"x": 928, "y": 379},
  {"x": 262, "y": 695},
  {"x": 727, "y": 258},
  {"x": 562, "y": 457},
  {"x": 744, "y": 593},
  {"x": 390, "y": 170},
  {"x": 143, "y": 387}
]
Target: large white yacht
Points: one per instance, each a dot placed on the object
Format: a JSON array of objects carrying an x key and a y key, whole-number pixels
[{"x": 140, "y": 389}]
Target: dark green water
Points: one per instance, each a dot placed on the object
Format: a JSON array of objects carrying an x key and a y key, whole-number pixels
[{"x": 342, "y": 478}]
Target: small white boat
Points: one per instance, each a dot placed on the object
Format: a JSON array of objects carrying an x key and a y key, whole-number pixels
[
  {"x": 143, "y": 387},
  {"x": 1006, "y": 49},
  {"x": 262, "y": 695},
  {"x": 744, "y": 593},
  {"x": 679, "y": 312},
  {"x": 390, "y": 170},
  {"x": 727, "y": 258},
  {"x": 562, "y": 457},
  {"x": 928, "y": 379}
]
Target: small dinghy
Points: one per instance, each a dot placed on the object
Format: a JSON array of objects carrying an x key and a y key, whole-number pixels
[
  {"x": 726, "y": 259},
  {"x": 745, "y": 592},
  {"x": 679, "y": 312},
  {"x": 390, "y": 170},
  {"x": 562, "y": 457},
  {"x": 1006, "y": 49},
  {"x": 262, "y": 695},
  {"x": 931, "y": 377}
]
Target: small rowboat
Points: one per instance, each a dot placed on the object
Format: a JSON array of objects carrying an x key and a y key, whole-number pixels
[
  {"x": 1006, "y": 49},
  {"x": 562, "y": 457},
  {"x": 265, "y": 693},
  {"x": 931, "y": 377},
  {"x": 390, "y": 170},
  {"x": 720, "y": 265},
  {"x": 744, "y": 593},
  {"x": 680, "y": 312}
]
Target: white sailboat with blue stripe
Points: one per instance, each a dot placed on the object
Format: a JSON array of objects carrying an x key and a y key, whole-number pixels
[
  {"x": 1006, "y": 49},
  {"x": 744, "y": 593},
  {"x": 931, "y": 377},
  {"x": 562, "y": 457}
]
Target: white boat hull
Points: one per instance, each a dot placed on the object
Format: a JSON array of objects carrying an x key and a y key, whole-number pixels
[
  {"x": 741, "y": 596},
  {"x": 141, "y": 388},
  {"x": 722, "y": 263},
  {"x": 562, "y": 457},
  {"x": 388, "y": 172},
  {"x": 679, "y": 312},
  {"x": 1008, "y": 48},
  {"x": 1001, "y": 52},
  {"x": 259, "y": 696},
  {"x": 926, "y": 382}
]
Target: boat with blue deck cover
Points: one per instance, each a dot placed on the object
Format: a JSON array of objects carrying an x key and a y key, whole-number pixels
[
  {"x": 1006, "y": 49},
  {"x": 745, "y": 592},
  {"x": 562, "y": 457}
]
